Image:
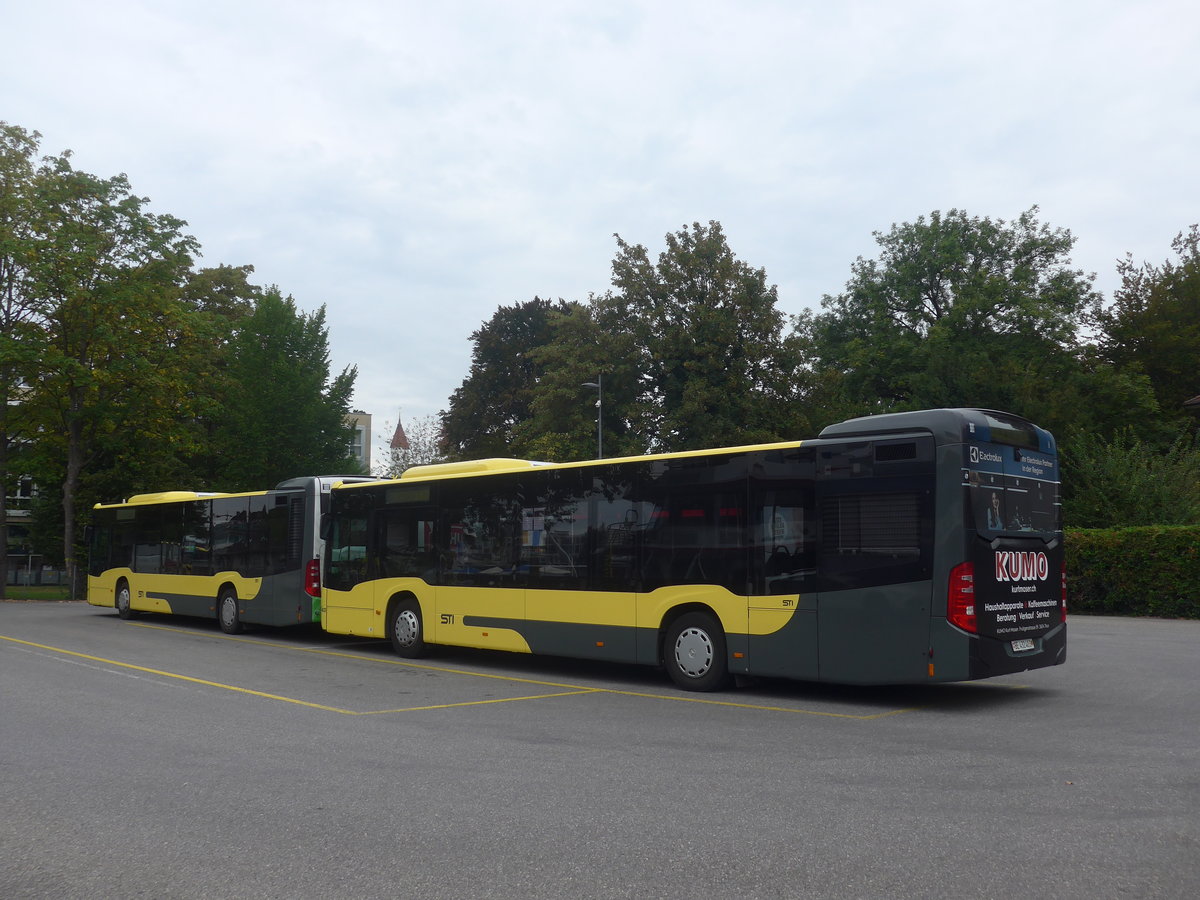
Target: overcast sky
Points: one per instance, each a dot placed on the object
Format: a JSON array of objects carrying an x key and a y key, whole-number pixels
[{"x": 413, "y": 166}]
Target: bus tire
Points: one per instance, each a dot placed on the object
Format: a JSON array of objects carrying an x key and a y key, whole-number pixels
[
  {"x": 123, "y": 600},
  {"x": 406, "y": 629},
  {"x": 227, "y": 612},
  {"x": 694, "y": 652}
]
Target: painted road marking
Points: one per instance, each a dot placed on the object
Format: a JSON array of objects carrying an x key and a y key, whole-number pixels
[{"x": 567, "y": 690}]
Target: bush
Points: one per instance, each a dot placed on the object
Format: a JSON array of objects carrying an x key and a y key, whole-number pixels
[
  {"x": 1150, "y": 571},
  {"x": 1126, "y": 481}
]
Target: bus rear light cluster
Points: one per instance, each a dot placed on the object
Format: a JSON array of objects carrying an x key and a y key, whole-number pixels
[
  {"x": 1064, "y": 592},
  {"x": 960, "y": 599},
  {"x": 312, "y": 578}
]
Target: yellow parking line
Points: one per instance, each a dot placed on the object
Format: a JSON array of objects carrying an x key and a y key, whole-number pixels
[
  {"x": 569, "y": 690},
  {"x": 176, "y": 675},
  {"x": 380, "y": 712},
  {"x": 678, "y": 698}
]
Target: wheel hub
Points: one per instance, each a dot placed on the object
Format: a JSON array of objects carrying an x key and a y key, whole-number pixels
[{"x": 694, "y": 652}]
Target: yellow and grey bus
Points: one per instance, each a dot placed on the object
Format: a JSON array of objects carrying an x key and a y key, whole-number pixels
[
  {"x": 901, "y": 548},
  {"x": 241, "y": 558}
]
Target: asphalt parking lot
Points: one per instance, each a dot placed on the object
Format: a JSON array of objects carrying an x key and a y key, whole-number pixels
[{"x": 163, "y": 758}]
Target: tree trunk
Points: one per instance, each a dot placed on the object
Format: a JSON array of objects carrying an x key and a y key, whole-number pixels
[{"x": 70, "y": 485}]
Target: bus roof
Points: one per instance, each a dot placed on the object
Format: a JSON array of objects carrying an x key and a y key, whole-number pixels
[
  {"x": 469, "y": 467},
  {"x": 165, "y": 497},
  {"x": 949, "y": 426},
  {"x": 493, "y": 466}
]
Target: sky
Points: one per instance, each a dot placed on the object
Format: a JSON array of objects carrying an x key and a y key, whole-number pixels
[{"x": 413, "y": 166}]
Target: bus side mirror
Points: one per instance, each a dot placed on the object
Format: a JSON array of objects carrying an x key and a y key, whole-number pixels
[{"x": 326, "y": 526}]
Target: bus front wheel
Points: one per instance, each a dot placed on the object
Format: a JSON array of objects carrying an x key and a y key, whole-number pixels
[
  {"x": 227, "y": 612},
  {"x": 407, "y": 633},
  {"x": 694, "y": 653},
  {"x": 124, "y": 601}
]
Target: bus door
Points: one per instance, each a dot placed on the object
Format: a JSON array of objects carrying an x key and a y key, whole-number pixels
[
  {"x": 782, "y": 613},
  {"x": 405, "y": 556},
  {"x": 481, "y": 587},
  {"x": 1016, "y": 556},
  {"x": 347, "y": 601}
]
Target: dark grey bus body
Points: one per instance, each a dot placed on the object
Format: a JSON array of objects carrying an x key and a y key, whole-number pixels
[{"x": 975, "y": 453}]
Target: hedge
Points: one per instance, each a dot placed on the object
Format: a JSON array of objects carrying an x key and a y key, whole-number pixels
[{"x": 1150, "y": 571}]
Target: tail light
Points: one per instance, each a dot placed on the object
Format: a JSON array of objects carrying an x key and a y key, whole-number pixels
[
  {"x": 312, "y": 578},
  {"x": 1064, "y": 592},
  {"x": 960, "y": 598}
]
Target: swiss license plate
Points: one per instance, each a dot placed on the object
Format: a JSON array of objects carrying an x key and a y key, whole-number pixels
[{"x": 1022, "y": 645}]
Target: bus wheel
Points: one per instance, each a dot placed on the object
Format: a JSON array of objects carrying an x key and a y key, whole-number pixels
[
  {"x": 124, "y": 601},
  {"x": 406, "y": 632},
  {"x": 694, "y": 653},
  {"x": 227, "y": 612}
]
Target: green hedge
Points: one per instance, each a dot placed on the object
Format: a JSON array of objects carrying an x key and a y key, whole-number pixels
[{"x": 1151, "y": 571}]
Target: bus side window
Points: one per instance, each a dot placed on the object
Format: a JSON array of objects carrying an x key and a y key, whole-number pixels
[
  {"x": 782, "y": 521},
  {"x": 481, "y": 540},
  {"x": 554, "y": 529},
  {"x": 405, "y": 544},
  {"x": 783, "y": 541}
]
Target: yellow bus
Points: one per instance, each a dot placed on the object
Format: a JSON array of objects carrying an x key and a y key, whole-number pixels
[
  {"x": 240, "y": 558},
  {"x": 901, "y": 548}
]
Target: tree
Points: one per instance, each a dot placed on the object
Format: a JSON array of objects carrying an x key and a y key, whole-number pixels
[
  {"x": 1153, "y": 326},
  {"x": 19, "y": 333},
  {"x": 103, "y": 287},
  {"x": 497, "y": 393},
  {"x": 968, "y": 311},
  {"x": 713, "y": 363},
  {"x": 584, "y": 347},
  {"x": 286, "y": 416}
]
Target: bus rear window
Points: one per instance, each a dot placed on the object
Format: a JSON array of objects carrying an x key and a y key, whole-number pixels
[
  {"x": 1007, "y": 504},
  {"x": 1013, "y": 432}
]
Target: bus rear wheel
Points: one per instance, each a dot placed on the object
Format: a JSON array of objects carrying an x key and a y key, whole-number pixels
[
  {"x": 227, "y": 612},
  {"x": 124, "y": 601},
  {"x": 694, "y": 653},
  {"x": 406, "y": 630}
]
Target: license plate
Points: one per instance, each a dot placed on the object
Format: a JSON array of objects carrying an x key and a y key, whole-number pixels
[{"x": 1023, "y": 644}]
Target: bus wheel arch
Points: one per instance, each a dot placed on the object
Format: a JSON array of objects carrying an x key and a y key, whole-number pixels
[
  {"x": 228, "y": 616},
  {"x": 694, "y": 650},
  {"x": 123, "y": 599},
  {"x": 406, "y": 626}
]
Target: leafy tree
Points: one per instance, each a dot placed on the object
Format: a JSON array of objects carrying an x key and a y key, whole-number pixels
[
  {"x": 19, "y": 334},
  {"x": 1153, "y": 326},
  {"x": 103, "y": 285},
  {"x": 286, "y": 416},
  {"x": 498, "y": 392},
  {"x": 712, "y": 361},
  {"x": 584, "y": 349},
  {"x": 961, "y": 310},
  {"x": 219, "y": 299}
]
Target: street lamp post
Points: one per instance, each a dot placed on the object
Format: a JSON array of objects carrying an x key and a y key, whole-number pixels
[{"x": 598, "y": 384}]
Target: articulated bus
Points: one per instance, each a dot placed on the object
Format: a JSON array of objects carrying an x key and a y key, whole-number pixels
[
  {"x": 252, "y": 557},
  {"x": 910, "y": 548}
]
